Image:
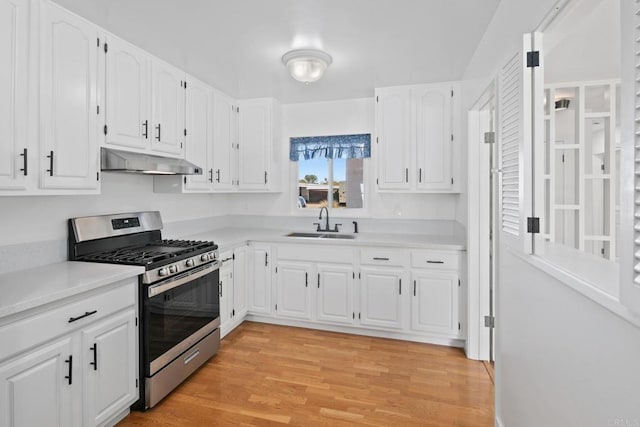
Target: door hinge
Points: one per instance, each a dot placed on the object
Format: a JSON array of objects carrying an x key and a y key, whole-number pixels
[
  {"x": 105, "y": 129},
  {"x": 489, "y": 137},
  {"x": 489, "y": 322},
  {"x": 106, "y": 47},
  {"x": 533, "y": 225},
  {"x": 533, "y": 59}
]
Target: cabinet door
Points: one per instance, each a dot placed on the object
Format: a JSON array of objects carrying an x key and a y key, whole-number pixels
[
  {"x": 432, "y": 106},
  {"x": 226, "y": 293},
  {"x": 14, "y": 72},
  {"x": 198, "y": 139},
  {"x": 110, "y": 349},
  {"x": 255, "y": 140},
  {"x": 393, "y": 139},
  {"x": 381, "y": 301},
  {"x": 260, "y": 283},
  {"x": 434, "y": 305},
  {"x": 335, "y": 294},
  {"x": 240, "y": 264},
  {"x": 168, "y": 97},
  {"x": 127, "y": 95},
  {"x": 292, "y": 290},
  {"x": 68, "y": 101},
  {"x": 34, "y": 390},
  {"x": 224, "y": 134}
]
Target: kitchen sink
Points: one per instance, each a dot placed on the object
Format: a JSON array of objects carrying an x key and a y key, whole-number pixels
[{"x": 322, "y": 236}]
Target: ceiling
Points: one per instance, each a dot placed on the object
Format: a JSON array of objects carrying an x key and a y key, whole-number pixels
[{"x": 236, "y": 46}]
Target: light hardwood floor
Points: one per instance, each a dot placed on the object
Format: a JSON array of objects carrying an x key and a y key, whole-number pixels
[{"x": 271, "y": 375}]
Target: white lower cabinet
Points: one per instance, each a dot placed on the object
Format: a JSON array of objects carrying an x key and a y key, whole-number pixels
[
  {"x": 259, "y": 286},
  {"x": 334, "y": 297},
  {"x": 381, "y": 298},
  {"x": 226, "y": 292},
  {"x": 292, "y": 290},
  {"x": 73, "y": 364},
  {"x": 240, "y": 270},
  {"x": 434, "y": 303}
]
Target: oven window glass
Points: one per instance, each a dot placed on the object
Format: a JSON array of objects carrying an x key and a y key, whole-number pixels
[{"x": 176, "y": 314}]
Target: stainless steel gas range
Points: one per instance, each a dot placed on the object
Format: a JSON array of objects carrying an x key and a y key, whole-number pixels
[{"x": 178, "y": 293}]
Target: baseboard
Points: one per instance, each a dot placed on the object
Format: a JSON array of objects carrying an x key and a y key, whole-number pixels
[{"x": 117, "y": 418}]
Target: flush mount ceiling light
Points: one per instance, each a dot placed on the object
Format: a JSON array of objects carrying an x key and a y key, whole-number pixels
[{"x": 306, "y": 65}]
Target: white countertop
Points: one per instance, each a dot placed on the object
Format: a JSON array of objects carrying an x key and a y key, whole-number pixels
[
  {"x": 26, "y": 289},
  {"x": 230, "y": 237}
]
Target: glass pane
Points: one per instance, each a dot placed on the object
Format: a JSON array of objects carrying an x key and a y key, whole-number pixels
[
  {"x": 566, "y": 227},
  {"x": 566, "y": 177},
  {"x": 597, "y": 99},
  {"x": 566, "y": 103},
  {"x": 547, "y": 147},
  {"x": 597, "y": 153},
  {"x": 547, "y": 207},
  {"x": 313, "y": 187},
  {"x": 547, "y": 102},
  {"x": 596, "y": 199},
  {"x": 348, "y": 179}
]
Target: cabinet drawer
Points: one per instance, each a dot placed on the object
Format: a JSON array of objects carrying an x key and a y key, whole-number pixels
[
  {"x": 50, "y": 323},
  {"x": 384, "y": 257},
  {"x": 319, "y": 253},
  {"x": 435, "y": 260}
]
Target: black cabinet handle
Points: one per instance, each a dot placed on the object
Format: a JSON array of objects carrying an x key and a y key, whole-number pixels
[
  {"x": 70, "y": 376},
  {"x": 158, "y": 128},
  {"x": 146, "y": 129},
  {"x": 318, "y": 280},
  {"x": 220, "y": 289},
  {"x": 218, "y": 176},
  {"x": 380, "y": 259},
  {"x": 406, "y": 174},
  {"x": 50, "y": 157},
  {"x": 420, "y": 174},
  {"x": 94, "y": 348},
  {"x": 399, "y": 286},
  {"x": 414, "y": 288},
  {"x": 306, "y": 279},
  {"x": 210, "y": 175},
  {"x": 265, "y": 177},
  {"x": 435, "y": 262},
  {"x": 24, "y": 162},
  {"x": 266, "y": 259},
  {"x": 86, "y": 314}
]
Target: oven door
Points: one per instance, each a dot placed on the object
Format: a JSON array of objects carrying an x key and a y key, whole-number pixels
[{"x": 177, "y": 313}]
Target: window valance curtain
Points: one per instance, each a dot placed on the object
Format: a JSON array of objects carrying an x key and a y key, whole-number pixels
[{"x": 331, "y": 147}]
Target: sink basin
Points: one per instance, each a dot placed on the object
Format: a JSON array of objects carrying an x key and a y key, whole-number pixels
[{"x": 322, "y": 236}]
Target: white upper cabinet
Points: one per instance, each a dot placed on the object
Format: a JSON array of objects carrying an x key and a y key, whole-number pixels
[
  {"x": 416, "y": 145},
  {"x": 393, "y": 138},
  {"x": 14, "y": 72},
  {"x": 199, "y": 139},
  {"x": 168, "y": 99},
  {"x": 257, "y": 134},
  {"x": 127, "y": 95},
  {"x": 224, "y": 142},
  {"x": 68, "y": 100}
]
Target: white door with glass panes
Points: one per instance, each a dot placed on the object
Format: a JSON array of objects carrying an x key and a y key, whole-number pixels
[
  {"x": 292, "y": 290},
  {"x": 168, "y": 103},
  {"x": 224, "y": 140},
  {"x": 432, "y": 105},
  {"x": 14, "y": 63},
  {"x": 255, "y": 139},
  {"x": 198, "y": 149},
  {"x": 38, "y": 388},
  {"x": 434, "y": 302},
  {"x": 127, "y": 95},
  {"x": 68, "y": 100},
  {"x": 393, "y": 138},
  {"x": 240, "y": 267},
  {"x": 381, "y": 299},
  {"x": 335, "y": 293},
  {"x": 110, "y": 362}
]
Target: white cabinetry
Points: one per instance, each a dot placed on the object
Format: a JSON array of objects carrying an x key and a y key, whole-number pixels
[
  {"x": 167, "y": 103},
  {"x": 75, "y": 362},
  {"x": 240, "y": 270},
  {"x": 335, "y": 288},
  {"x": 14, "y": 73},
  {"x": 258, "y": 133},
  {"x": 199, "y": 135},
  {"x": 68, "y": 100},
  {"x": 416, "y": 130},
  {"x": 127, "y": 96},
  {"x": 225, "y": 135},
  {"x": 226, "y": 292},
  {"x": 259, "y": 286},
  {"x": 292, "y": 290},
  {"x": 381, "y": 300}
]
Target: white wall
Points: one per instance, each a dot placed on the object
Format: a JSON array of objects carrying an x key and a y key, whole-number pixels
[
  {"x": 41, "y": 218},
  {"x": 561, "y": 359},
  {"x": 338, "y": 118}
]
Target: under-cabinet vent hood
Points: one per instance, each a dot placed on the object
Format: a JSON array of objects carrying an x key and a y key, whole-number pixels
[{"x": 125, "y": 161}]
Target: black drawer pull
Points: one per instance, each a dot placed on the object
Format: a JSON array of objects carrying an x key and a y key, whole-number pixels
[
  {"x": 146, "y": 129},
  {"x": 50, "y": 157},
  {"x": 380, "y": 259},
  {"x": 86, "y": 314},
  {"x": 158, "y": 128},
  {"x": 70, "y": 376},
  {"x": 435, "y": 262},
  {"x": 218, "y": 175},
  {"x": 94, "y": 348},
  {"x": 24, "y": 162},
  {"x": 210, "y": 175}
]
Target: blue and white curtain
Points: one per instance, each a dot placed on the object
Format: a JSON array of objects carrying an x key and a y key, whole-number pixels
[{"x": 331, "y": 147}]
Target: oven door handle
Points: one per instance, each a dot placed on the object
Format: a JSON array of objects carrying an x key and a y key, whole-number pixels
[{"x": 174, "y": 283}]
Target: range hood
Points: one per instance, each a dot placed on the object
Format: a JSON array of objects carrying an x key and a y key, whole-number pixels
[{"x": 124, "y": 161}]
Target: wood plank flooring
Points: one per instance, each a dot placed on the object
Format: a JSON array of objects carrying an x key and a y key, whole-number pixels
[{"x": 272, "y": 375}]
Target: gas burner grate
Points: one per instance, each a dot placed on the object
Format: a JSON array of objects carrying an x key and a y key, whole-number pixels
[{"x": 149, "y": 253}]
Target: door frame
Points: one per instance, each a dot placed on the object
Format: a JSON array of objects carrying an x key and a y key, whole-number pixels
[{"x": 478, "y": 344}]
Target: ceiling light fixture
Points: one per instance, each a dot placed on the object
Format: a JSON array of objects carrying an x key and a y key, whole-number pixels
[{"x": 306, "y": 65}]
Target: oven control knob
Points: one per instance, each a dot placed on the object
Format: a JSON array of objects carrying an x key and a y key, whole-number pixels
[
  {"x": 173, "y": 269},
  {"x": 204, "y": 257},
  {"x": 212, "y": 255},
  {"x": 189, "y": 263},
  {"x": 163, "y": 272}
]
